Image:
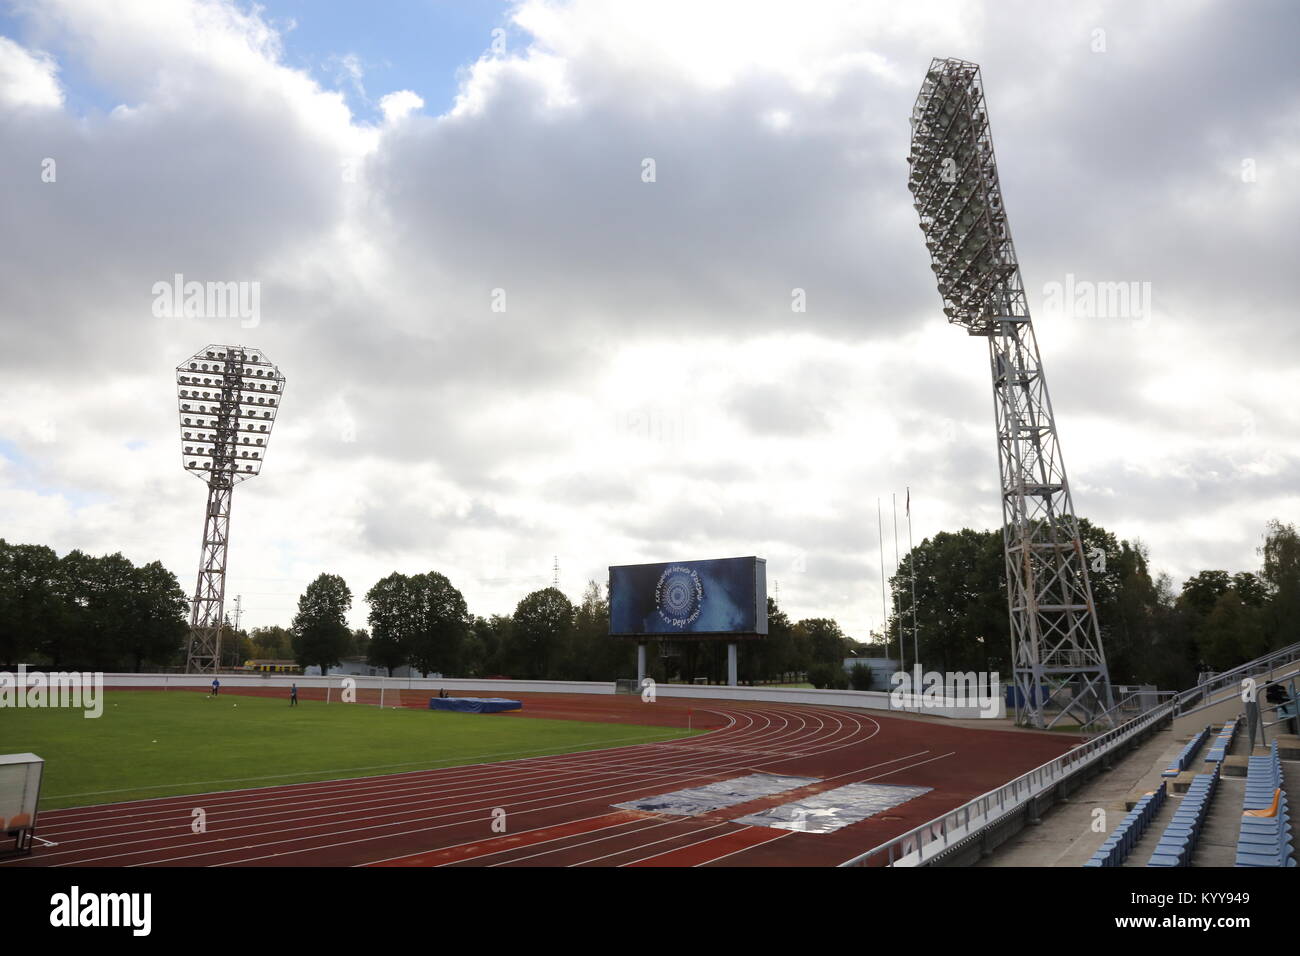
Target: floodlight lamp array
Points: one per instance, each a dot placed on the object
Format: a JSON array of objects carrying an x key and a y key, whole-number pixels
[
  {"x": 954, "y": 184},
  {"x": 227, "y": 397}
]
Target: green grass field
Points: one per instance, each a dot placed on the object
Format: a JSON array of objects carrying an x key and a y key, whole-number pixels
[{"x": 151, "y": 744}]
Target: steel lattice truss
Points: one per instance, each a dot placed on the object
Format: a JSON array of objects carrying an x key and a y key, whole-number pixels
[
  {"x": 1055, "y": 638},
  {"x": 228, "y": 396}
]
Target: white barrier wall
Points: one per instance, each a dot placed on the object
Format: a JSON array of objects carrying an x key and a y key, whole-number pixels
[
  {"x": 860, "y": 700},
  {"x": 431, "y": 684}
]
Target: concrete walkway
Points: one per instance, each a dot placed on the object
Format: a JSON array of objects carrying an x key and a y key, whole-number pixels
[{"x": 1066, "y": 836}]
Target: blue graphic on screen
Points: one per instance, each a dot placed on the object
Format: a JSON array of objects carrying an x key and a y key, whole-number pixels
[{"x": 720, "y": 596}]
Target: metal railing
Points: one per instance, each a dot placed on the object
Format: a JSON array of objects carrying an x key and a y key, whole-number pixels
[
  {"x": 1204, "y": 692},
  {"x": 1285, "y": 711},
  {"x": 1134, "y": 705},
  {"x": 942, "y": 834}
]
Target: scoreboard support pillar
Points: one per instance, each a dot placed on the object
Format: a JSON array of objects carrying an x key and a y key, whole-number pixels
[
  {"x": 731, "y": 664},
  {"x": 640, "y": 663}
]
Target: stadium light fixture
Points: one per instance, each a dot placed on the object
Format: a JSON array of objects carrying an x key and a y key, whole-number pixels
[
  {"x": 1055, "y": 639},
  {"x": 228, "y": 397}
]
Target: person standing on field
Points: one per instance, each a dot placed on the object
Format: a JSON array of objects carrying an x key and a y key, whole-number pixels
[
  {"x": 216, "y": 687},
  {"x": 293, "y": 695}
]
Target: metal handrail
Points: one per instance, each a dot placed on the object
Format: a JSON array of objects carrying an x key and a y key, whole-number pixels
[
  {"x": 1205, "y": 689},
  {"x": 955, "y": 826},
  {"x": 975, "y": 816},
  {"x": 1285, "y": 710},
  {"x": 1104, "y": 719}
]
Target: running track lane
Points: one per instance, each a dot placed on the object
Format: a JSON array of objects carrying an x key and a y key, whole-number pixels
[{"x": 558, "y": 809}]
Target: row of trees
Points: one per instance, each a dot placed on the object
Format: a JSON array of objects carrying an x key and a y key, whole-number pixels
[
  {"x": 80, "y": 612},
  {"x": 1152, "y": 632},
  {"x": 104, "y": 613},
  {"x": 422, "y": 620}
]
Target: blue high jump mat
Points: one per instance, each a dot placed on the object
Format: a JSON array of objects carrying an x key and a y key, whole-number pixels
[{"x": 475, "y": 705}]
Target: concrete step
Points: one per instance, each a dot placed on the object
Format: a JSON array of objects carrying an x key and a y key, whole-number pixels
[
  {"x": 1142, "y": 851},
  {"x": 1218, "y": 843},
  {"x": 1291, "y": 781}
]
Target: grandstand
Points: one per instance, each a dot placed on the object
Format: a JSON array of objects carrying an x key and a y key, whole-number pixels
[{"x": 1209, "y": 788}]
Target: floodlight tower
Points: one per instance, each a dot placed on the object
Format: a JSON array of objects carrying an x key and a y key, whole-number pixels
[
  {"x": 1055, "y": 639},
  {"x": 228, "y": 396}
]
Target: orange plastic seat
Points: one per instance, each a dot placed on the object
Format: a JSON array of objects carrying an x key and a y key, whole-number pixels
[{"x": 1270, "y": 812}]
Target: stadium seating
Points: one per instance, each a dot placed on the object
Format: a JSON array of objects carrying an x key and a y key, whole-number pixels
[
  {"x": 1219, "y": 748},
  {"x": 1126, "y": 836},
  {"x": 1266, "y": 838},
  {"x": 1187, "y": 754},
  {"x": 1178, "y": 842}
]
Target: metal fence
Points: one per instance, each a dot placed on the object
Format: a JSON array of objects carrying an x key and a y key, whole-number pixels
[
  {"x": 1206, "y": 692},
  {"x": 957, "y": 827},
  {"x": 942, "y": 834}
]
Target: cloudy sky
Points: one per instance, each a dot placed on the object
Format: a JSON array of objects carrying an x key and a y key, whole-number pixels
[{"x": 389, "y": 177}]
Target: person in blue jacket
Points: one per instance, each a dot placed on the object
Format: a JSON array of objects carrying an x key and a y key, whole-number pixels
[{"x": 216, "y": 687}]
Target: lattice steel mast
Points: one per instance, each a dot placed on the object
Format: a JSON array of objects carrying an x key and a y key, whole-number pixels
[
  {"x": 228, "y": 397},
  {"x": 1055, "y": 638}
]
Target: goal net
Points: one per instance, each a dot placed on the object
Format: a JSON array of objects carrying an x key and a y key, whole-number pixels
[{"x": 368, "y": 691}]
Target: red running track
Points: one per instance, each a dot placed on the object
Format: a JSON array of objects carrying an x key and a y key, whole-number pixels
[{"x": 558, "y": 810}]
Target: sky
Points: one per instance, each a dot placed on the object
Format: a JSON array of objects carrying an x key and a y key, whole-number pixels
[{"x": 533, "y": 273}]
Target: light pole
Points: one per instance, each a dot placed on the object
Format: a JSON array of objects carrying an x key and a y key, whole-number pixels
[
  {"x": 227, "y": 397},
  {"x": 953, "y": 178}
]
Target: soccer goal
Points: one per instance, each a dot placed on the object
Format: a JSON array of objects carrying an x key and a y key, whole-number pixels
[
  {"x": 20, "y": 791},
  {"x": 371, "y": 691}
]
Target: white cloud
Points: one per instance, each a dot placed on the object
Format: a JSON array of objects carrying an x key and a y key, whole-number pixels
[
  {"x": 27, "y": 78},
  {"x": 397, "y": 106},
  {"x": 648, "y": 391}
]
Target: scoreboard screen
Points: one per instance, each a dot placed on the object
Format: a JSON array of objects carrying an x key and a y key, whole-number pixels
[{"x": 685, "y": 599}]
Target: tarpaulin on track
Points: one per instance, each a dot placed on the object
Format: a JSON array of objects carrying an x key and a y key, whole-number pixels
[
  {"x": 715, "y": 796},
  {"x": 831, "y": 809},
  {"x": 474, "y": 705}
]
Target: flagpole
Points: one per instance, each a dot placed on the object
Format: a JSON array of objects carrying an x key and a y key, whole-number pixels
[
  {"x": 902, "y": 660},
  {"x": 884, "y": 613},
  {"x": 911, "y": 559}
]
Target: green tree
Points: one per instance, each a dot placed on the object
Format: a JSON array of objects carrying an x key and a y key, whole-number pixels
[
  {"x": 442, "y": 622},
  {"x": 1127, "y": 606},
  {"x": 1231, "y": 633},
  {"x": 158, "y": 624},
  {"x": 1172, "y": 659},
  {"x": 591, "y": 654},
  {"x": 98, "y": 592},
  {"x": 1202, "y": 591},
  {"x": 1281, "y": 579},
  {"x": 273, "y": 643},
  {"x": 32, "y": 611},
  {"x": 393, "y": 618},
  {"x": 320, "y": 628},
  {"x": 826, "y": 642},
  {"x": 1250, "y": 588},
  {"x": 96, "y": 613},
  {"x": 543, "y": 624},
  {"x": 961, "y": 604},
  {"x": 488, "y": 649},
  {"x": 860, "y": 675},
  {"x": 1229, "y": 626},
  {"x": 780, "y": 657},
  {"x": 826, "y": 676}
]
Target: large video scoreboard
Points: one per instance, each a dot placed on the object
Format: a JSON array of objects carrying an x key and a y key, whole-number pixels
[{"x": 721, "y": 597}]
